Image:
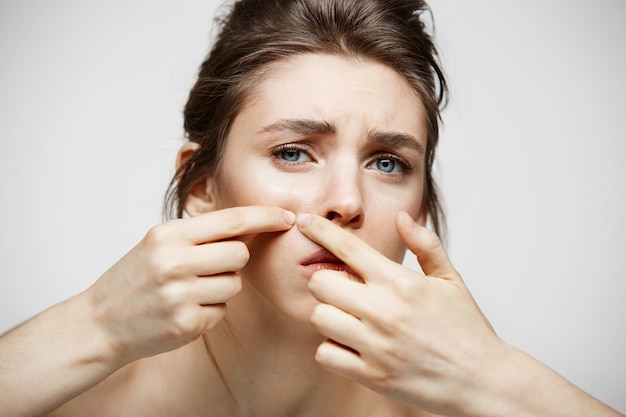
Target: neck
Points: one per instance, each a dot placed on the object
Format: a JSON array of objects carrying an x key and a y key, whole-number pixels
[{"x": 264, "y": 364}]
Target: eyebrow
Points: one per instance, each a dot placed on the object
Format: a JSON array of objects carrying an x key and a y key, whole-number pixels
[
  {"x": 301, "y": 126},
  {"x": 396, "y": 140},
  {"x": 317, "y": 127}
]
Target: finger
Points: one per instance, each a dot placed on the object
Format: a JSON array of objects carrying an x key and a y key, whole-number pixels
[
  {"x": 217, "y": 289},
  {"x": 338, "y": 289},
  {"x": 338, "y": 325},
  {"x": 367, "y": 261},
  {"x": 337, "y": 358},
  {"x": 213, "y": 314},
  {"x": 426, "y": 246},
  {"x": 217, "y": 257},
  {"x": 236, "y": 221}
]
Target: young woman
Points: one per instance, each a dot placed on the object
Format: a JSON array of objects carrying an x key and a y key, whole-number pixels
[{"x": 312, "y": 130}]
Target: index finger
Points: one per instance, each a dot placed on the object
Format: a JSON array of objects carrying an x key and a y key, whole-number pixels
[
  {"x": 364, "y": 259},
  {"x": 237, "y": 221}
]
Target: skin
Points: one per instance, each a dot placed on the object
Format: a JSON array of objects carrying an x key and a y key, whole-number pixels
[
  {"x": 334, "y": 172},
  {"x": 273, "y": 158},
  {"x": 244, "y": 309},
  {"x": 257, "y": 356}
]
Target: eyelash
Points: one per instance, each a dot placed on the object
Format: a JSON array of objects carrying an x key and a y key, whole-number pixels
[
  {"x": 405, "y": 167},
  {"x": 277, "y": 152}
]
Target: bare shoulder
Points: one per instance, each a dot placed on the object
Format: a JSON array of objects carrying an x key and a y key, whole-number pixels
[{"x": 151, "y": 386}]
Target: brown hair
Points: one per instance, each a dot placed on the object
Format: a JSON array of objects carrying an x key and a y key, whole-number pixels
[{"x": 258, "y": 32}]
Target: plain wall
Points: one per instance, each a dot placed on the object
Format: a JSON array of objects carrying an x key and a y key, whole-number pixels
[{"x": 532, "y": 162}]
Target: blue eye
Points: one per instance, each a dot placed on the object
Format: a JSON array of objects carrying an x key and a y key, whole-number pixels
[
  {"x": 386, "y": 165},
  {"x": 291, "y": 155},
  {"x": 390, "y": 164}
]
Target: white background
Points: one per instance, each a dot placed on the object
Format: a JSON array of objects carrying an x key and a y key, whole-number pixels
[{"x": 532, "y": 158}]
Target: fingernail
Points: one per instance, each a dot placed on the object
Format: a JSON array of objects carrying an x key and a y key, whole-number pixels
[
  {"x": 289, "y": 216},
  {"x": 304, "y": 219}
]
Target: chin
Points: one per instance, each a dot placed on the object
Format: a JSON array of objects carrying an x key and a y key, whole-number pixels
[
  {"x": 295, "y": 309},
  {"x": 300, "y": 313},
  {"x": 271, "y": 303}
]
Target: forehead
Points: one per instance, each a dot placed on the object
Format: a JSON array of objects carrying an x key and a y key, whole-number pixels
[{"x": 347, "y": 92}]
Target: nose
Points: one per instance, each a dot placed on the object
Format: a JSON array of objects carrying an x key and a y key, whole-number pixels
[{"x": 342, "y": 197}]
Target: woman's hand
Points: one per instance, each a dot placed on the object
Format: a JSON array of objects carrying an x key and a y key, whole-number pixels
[
  {"x": 421, "y": 338},
  {"x": 417, "y": 338},
  {"x": 174, "y": 284}
]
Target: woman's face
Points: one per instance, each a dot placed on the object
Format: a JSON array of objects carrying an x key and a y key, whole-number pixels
[{"x": 339, "y": 137}]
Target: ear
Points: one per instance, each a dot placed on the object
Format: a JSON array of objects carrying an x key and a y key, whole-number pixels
[{"x": 200, "y": 198}]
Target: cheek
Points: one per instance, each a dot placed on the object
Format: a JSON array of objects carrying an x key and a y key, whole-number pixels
[
  {"x": 257, "y": 187},
  {"x": 382, "y": 233}
]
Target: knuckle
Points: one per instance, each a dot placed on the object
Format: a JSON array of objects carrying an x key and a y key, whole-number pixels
[
  {"x": 408, "y": 288},
  {"x": 158, "y": 254},
  {"x": 159, "y": 235},
  {"x": 234, "y": 220},
  {"x": 184, "y": 327},
  {"x": 394, "y": 320},
  {"x": 172, "y": 297},
  {"x": 188, "y": 323},
  {"x": 388, "y": 319},
  {"x": 384, "y": 374},
  {"x": 167, "y": 269},
  {"x": 348, "y": 246}
]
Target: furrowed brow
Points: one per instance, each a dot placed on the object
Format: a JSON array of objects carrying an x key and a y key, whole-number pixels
[
  {"x": 396, "y": 140},
  {"x": 300, "y": 126}
]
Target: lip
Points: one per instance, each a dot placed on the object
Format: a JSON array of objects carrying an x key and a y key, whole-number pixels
[{"x": 323, "y": 259}]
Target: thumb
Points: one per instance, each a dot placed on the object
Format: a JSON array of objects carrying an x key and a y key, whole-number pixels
[
  {"x": 427, "y": 247},
  {"x": 431, "y": 255}
]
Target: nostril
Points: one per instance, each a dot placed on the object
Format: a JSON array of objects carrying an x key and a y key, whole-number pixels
[
  {"x": 355, "y": 219},
  {"x": 331, "y": 215}
]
